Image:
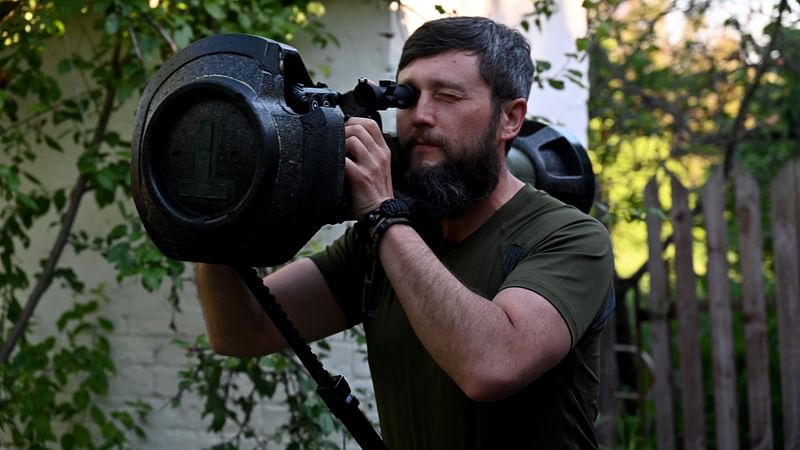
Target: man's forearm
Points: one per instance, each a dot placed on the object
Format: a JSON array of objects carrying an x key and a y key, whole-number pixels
[
  {"x": 447, "y": 317},
  {"x": 238, "y": 326},
  {"x": 489, "y": 348},
  {"x": 235, "y": 322}
]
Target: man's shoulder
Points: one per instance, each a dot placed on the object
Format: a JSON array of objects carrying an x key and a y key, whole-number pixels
[{"x": 534, "y": 210}]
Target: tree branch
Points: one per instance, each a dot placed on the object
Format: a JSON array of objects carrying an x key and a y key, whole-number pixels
[
  {"x": 763, "y": 66},
  {"x": 26, "y": 120},
  {"x": 46, "y": 278},
  {"x": 81, "y": 187},
  {"x": 731, "y": 139},
  {"x": 7, "y": 9},
  {"x": 162, "y": 32}
]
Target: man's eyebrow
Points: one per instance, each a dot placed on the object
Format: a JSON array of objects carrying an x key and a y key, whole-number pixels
[
  {"x": 438, "y": 83},
  {"x": 449, "y": 84}
]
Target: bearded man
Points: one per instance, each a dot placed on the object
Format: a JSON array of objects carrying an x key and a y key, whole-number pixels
[{"x": 477, "y": 292}]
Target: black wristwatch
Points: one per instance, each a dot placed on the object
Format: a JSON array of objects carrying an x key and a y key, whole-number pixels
[
  {"x": 391, "y": 212},
  {"x": 389, "y": 209}
]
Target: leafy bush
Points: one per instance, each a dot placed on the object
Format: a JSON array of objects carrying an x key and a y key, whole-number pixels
[{"x": 51, "y": 389}]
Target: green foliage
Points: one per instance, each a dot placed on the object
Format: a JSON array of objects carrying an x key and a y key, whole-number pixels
[
  {"x": 542, "y": 10},
  {"x": 233, "y": 388},
  {"x": 545, "y": 75},
  {"x": 67, "y": 68},
  {"x": 37, "y": 414},
  {"x": 678, "y": 90},
  {"x": 774, "y": 108},
  {"x": 631, "y": 434},
  {"x": 662, "y": 72}
]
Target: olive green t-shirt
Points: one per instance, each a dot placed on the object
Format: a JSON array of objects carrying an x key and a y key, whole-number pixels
[{"x": 533, "y": 242}]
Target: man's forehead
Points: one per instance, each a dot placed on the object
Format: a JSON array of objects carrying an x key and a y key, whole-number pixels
[{"x": 451, "y": 67}]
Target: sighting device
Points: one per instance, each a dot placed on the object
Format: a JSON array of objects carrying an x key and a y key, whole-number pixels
[{"x": 238, "y": 158}]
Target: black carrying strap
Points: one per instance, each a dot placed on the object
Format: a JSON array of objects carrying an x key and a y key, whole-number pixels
[
  {"x": 514, "y": 254},
  {"x": 334, "y": 390}
]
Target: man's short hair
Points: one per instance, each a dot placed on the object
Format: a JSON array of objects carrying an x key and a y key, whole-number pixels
[{"x": 504, "y": 55}]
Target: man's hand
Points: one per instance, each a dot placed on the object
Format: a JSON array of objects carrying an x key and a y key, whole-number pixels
[{"x": 368, "y": 167}]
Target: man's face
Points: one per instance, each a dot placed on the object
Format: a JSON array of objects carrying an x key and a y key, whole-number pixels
[{"x": 448, "y": 140}]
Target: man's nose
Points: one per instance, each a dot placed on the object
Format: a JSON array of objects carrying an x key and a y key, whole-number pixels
[{"x": 423, "y": 113}]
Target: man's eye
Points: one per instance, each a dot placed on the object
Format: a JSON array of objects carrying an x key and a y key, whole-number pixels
[{"x": 448, "y": 96}]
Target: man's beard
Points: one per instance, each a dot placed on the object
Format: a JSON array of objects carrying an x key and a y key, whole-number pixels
[{"x": 449, "y": 188}]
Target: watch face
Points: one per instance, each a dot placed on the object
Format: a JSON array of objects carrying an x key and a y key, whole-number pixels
[{"x": 394, "y": 208}]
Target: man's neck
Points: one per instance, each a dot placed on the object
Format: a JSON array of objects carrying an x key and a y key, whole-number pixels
[{"x": 457, "y": 230}]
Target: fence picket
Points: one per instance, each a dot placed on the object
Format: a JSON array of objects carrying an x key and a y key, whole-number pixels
[
  {"x": 606, "y": 426},
  {"x": 659, "y": 318},
  {"x": 748, "y": 217},
  {"x": 719, "y": 309},
  {"x": 784, "y": 189},
  {"x": 691, "y": 363},
  {"x": 785, "y": 234}
]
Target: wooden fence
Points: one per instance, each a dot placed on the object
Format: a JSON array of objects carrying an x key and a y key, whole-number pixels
[{"x": 671, "y": 404}]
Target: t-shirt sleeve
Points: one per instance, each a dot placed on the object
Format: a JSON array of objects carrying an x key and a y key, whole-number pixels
[
  {"x": 573, "y": 269},
  {"x": 341, "y": 264}
]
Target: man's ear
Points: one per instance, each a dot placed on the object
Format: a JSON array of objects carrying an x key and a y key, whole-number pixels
[{"x": 512, "y": 116}]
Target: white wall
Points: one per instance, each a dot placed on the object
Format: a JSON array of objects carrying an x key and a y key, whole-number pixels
[
  {"x": 363, "y": 25},
  {"x": 371, "y": 35}
]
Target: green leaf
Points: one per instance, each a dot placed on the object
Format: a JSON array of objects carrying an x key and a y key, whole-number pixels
[
  {"x": 70, "y": 278},
  {"x": 125, "y": 419},
  {"x": 232, "y": 363},
  {"x": 67, "y": 441},
  {"x": 103, "y": 197},
  {"x": 325, "y": 422},
  {"x": 53, "y": 144},
  {"x": 105, "y": 324},
  {"x": 11, "y": 179},
  {"x": 83, "y": 438},
  {"x": 112, "y": 24},
  {"x": 214, "y": 10},
  {"x": 64, "y": 66},
  {"x": 183, "y": 36},
  {"x": 542, "y": 65},
  {"x": 555, "y": 83},
  {"x": 68, "y": 8},
  {"x": 105, "y": 179},
  {"x": 182, "y": 344},
  {"x": 59, "y": 199},
  {"x": 244, "y": 21},
  {"x": 151, "y": 278},
  {"x": 38, "y": 108},
  {"x": 117, "y": 232},
  {"x": 80, "y": 399},
  {"x": 26, "y": 201},
  {"x": 98, "y": 383}
]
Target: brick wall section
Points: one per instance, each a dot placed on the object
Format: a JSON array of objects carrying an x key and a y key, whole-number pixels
[{"x": 148, "y": 364}]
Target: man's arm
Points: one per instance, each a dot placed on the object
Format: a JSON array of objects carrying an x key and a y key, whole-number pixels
[
  {"x": 491, "y": 349},
  {"x": 235, "y": 322}
]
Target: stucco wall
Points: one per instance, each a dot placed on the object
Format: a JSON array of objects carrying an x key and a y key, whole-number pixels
[{"x": 370, "y": 33}]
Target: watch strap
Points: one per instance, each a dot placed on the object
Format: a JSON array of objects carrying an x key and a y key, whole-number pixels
[
  {"x": 379, "y": 231},
  {"x": 390, "y": 208},
  {"x": 375, "y": 223}
]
